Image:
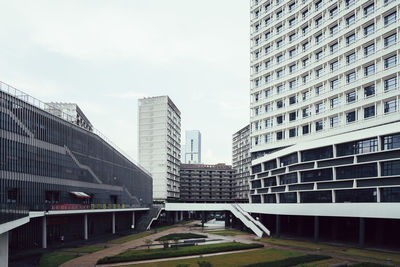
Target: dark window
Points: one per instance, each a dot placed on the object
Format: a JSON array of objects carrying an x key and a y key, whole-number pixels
[
  {"x": 292, "y": 100},
  {"x": 256, "y": 199},
  {"x": 256, "y": 168},
  {"x": 357, "y": 147},
  {"x": 270, "y": 198},
  {"x": 279, "y": 119},
  {"x": 390, "y": 168},
  {"x": 316, "y": 175},
  {"x": 317, "y": 153},
  {"x": 391, "y": 141},
  {"x": 292, "y": 116},
  {"x": 351, "y": 116},
  {"x": 256, "y": 184},
  {"x": 357, "y": 195},
  {"x": 279, "y": 135},
  {"x": 270, "y": 182},
  {"x": 293, "y": 132},
  {"x": 288, "y": 198},
  {"x": 306, "y": 129},
  {"x": 351, "y": 97},
  {"x": 369, "y": 112},
  {"x": 12, "y": 195},
  {"x": 357, "y": 171},
  {"x": 369, "y": 90},
  {"x": 319, "y": 125},
  {"x": 289, "y": 159},
  {"x": 316, "y": 197},
  {"x": 288, "y": 179},
  {"x": 390, "y": 194},
  {"x": 270, "y": 165}
]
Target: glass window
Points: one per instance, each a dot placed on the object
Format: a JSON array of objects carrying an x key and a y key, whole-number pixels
[
  {"x": 280, "y": 88},
  {"x": 268, "y": 64},
  {"x": 306, "y": 129},
  {"x": 334, "y": 121},
  {"x": 306, "y": 46},
  {"x": 279, "y": 104},
  {"x": 292, "y": 100},
  {"x": 268, "y": 138},
  {"x": 369, "y": 29},
  {"x": 369, "y": 90},
  {"x": 389, "y": 19},
  {"x": 279, "y": 28},
  {"x": 390, "y": 168},
  {"x": 318, "y": 5},
  {"x": 334, "y": 102},
  {"x": 292, "y": 6},
  {"x": 333, "y": 12},
  {"x": 305, "y": 62},
  {"x": 357, "y": 147},
  {"x": 306, "y": 112},
  {"x": 319, "y": 125},
  {"x": 334, "y": 29},
  {"x": 349, "y": 3},
  {"x": 292, "y": 116},
  {"x": 267, "y": 21},
  {"x": 319, "y": 108},
  {"x": 279, "y": 43},
  {"x": 292, "y": 53},
  {"x": 334, "y": 48},
  {"x": 279, "y": 14},
  {"x": 350, "y": 39},
  {"x": 268, "y": 107},
  {"x": 351, "y": 77},
  {"x": 279, "y": 73},
  {"x": 368, "y": 70},
  {"x": 319, "y": 90},
  {"x": 350, "y": 116},
  {"x": 292, "y": 37},
  {"x": 351, "y": 58},
  {"x": 306, "y": 95},
  {"x": 292, "y": 68},
  {"x": 279, "y": 58},
  {"x": 279, "y": 119},
  {"x": 369, "y": 50},
  {"x": 280, "y": 135},
  {"x": 293, "y": 132},
  {"x": 319, "y": 72},
  {"x": 268, "y": 123},
  {"x": 390, "y": 61},
  {"x": 369, "y": 9},
  {"x": 390, "y": 40},
  {"x": 351, "y": 97},
  {"x": 292, "y": 84},
  {"x": 350, "y": 20},
  {"x": 318, "y": 21},
  {"x": 318, "y": 55},
  {"x": 267, "y": 49},
  {"x": 369, "y": 112},
  {"x": 305, "y": 78},
  {"x": 390, "y": 84},
  {"x": 268, "y": 79},
  {"x": 318, "y": 38},
  {"x": 268, "y": 93},
  {"x": 292, "y": 22},
  {"x": 390, "y": 106},
  {"x": 334, "y": 84},
  {"x": 334, "y": 65},
  {"x": 305, "y": 30},
  {"x": 267, "y": 35},
  {"x": 304, "y": 14},
  {"x": 391, "y": 141}
]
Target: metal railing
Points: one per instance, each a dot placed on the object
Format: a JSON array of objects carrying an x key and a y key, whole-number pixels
[
  {"x": 46, "y": 107},
  {"x": 11, "y": 212}
]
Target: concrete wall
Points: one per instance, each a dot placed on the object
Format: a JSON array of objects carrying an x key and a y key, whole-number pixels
[{"x": 4, "y": 249}]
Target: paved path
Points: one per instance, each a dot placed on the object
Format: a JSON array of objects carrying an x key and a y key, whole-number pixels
[{"x": 114, "y": 249}]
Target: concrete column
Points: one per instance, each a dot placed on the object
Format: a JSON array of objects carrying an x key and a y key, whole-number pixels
[
  {"x": 227, "y": 219},
  {"x": 203, "y": 218},
  {"x": 113, "y": 223},
  {"x": 181, "y": 216},
  {"x": 133, "y": 220},
  {"x": 4, "y": 249},
  {"x": 278, "y": 226},
  {"x": 176, "y": 217},
  {"x": 316, "y": 228},
  {"x": 44, "y": 232},
  {"x": 362, "y": 232},
  {"x": 85, "y": 227}
]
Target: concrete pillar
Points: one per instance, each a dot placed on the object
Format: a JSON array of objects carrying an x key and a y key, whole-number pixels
[
  {"x": 362, "y": 233},
  {"x": 278, "y": 226},
  {"x": 316, "y": 228},
  {"x": 133, "y": 220},
  {"x": 203, "y": 218},
  {"x": 4, "y": 249},
  {"x": 227, "y": 219},
  {"x": 85, "y": 227},
  {"x": 176, "y": 217},
  {"x": 113, "y": 223},
  {"x": 44, "y": 232},
  {"x": 181, "y": 216}
]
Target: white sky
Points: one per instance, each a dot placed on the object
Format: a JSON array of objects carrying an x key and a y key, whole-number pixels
[{"x": 104, "y": 55}]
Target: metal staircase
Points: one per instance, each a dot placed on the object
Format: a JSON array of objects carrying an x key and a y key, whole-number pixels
[
  {"x": 256, "y": 226},
  {"x": 147, "y": 219}
]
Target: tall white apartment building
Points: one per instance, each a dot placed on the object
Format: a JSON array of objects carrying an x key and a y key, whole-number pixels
[
  {"x": 325, "y": 103},
  {"x": 192, "y": 147},
  {"x": 241, "y": 163},
  {"x": 160, "y": 143}
]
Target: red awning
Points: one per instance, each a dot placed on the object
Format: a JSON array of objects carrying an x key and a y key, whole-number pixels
[{"x": 80, "y": 194}]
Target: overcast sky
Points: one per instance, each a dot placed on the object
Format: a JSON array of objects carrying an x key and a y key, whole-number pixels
[{"x": 104, "y": 55}]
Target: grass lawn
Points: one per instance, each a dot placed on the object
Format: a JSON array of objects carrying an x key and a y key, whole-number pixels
[
  {"x": 139, "y": 235},
  {"x": 87, "y": 249},
  {"x": 136, "y": 255},
  {"x": 230, "y": 259},
  {"x": 371, "y": 254},
  {"x": 180, "y": 236},
  {"x": 229, "y": 232},
  {"x": 54, "y": 259}
]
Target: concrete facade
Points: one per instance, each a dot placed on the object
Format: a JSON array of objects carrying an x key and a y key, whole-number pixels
[
  {"x": 241, "y": 162},
  {"x": 160, "y": 144},
  {"x": 192, "y": 148}
]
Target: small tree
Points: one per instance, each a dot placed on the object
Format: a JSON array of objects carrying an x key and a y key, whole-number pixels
[
  {"x": 204, "y": 264},
  {"x": 148, "y": 243},
  {"x": 176, "y": 242}
]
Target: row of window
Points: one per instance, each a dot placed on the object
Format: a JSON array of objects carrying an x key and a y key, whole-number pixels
[
  {"x": 334, "y": 102},
  {"x": 388, "y": 62},
  {"x": 334, "y": 121}
]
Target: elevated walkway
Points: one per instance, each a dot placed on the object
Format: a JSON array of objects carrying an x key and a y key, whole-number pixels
[
  {"x": 147, "y": 219},
  {"x": 257, "y": 227}
]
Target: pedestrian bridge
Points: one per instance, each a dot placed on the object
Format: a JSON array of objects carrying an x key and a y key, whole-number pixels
[{"x": 256, "y": 226}]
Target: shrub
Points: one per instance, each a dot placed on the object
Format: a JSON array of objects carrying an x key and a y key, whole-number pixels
[
  {"x": 204, "y": 264},
  {"x": 180, "y": 236},
  {"x": 290, "y": 261},
  {"x": 136, "y": 255},
  {"x": 369, "y": 264}
]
